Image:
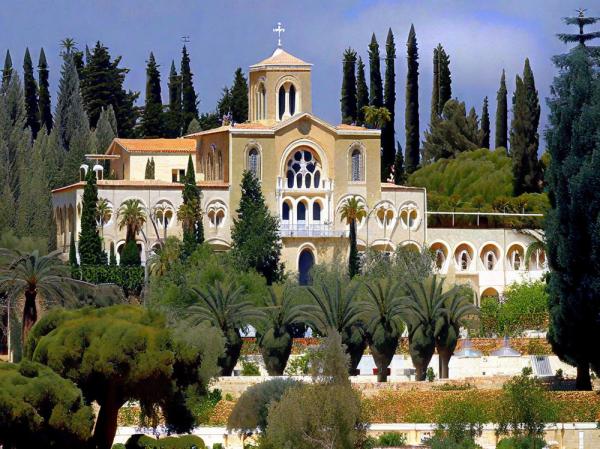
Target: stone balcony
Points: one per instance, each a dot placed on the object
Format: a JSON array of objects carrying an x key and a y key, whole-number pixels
[{"x": 310, "y": 230}]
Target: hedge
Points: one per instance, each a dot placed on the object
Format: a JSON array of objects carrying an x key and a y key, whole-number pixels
[
  {"x": 129, "y": 278},
  {"x": 182, "y": 442}
]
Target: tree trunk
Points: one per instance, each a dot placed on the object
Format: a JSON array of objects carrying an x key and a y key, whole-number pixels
[
  {"x": 275, "y": 351},
  {"x": 29, "y": 314},
  {"x": 583, "y": 381},
  {"x": 420, "y": 372},
  {"x": 233, "y": 347},
  {"x": 382, "y": 356},
  {"x": 106, "y": 424},
  {"x": 444, "y": 355}
]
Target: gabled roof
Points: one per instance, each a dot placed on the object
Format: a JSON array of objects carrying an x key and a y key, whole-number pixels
[
  {"x": 280, "y": 58},
  {"x": 183, "y": 146}
]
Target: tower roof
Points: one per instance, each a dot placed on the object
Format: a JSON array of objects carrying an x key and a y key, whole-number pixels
[{"x": 280, "y": 58}]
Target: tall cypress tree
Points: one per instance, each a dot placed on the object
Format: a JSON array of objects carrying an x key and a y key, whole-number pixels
[
  {"x": 502, "y": 114},
  {"x": 532, "y": 103},
  {"x": 388, "y": 132},
  {"x": 435, "y": 90},
  {"x": 376, "y": 86},
  {"x": 30, "y": 90},
  {"x": 173, "y": 116},
  {"x": 193, "y": 233},
  {"x": 412, "y": 103},
  {"x": 348, "y": 97},
  {"x": 362, "y": 92},
  {"x": 255, "y": 238},
  {"x": 445, "y": 78},
  {"x": 399, "y": 171},
  {"x": 189, "y": 102},
  {"x": 90, "y": 243},
  {"x": 44, "y": 105},
  {"x": 152, "y": 119},
  {"x": 485, "y": 125},
  {"x": 7, "y": 70},
  {"x": 239, "y": 97},
  {"x": 572, "y": 223},
  {"x": 106, "y": 130}
]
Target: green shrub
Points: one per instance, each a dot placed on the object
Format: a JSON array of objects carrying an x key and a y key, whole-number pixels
[
  {"x": 460, "y": 419},
  {"x": 129, "y": 278},
  {"x": 131, "y": 254},
  {"x": 182, "y": 442},
  {"x": 217, "y": 446},
  {"x": 203, "y": 408},
  {"x": 250, "y": 368},
  {"x": 298, "y": 366},
  {"x": 521, "y": 443},
  {"x": 391, "y": 439},
  {"x": 430, "y": 374},
  {"x": 118, "y": 446}
]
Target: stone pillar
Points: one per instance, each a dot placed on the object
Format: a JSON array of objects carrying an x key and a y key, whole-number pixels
[{"x": 286, "y": 113}]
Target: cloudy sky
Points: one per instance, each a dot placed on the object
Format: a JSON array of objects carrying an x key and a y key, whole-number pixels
[{"x": 482, "y": 38}]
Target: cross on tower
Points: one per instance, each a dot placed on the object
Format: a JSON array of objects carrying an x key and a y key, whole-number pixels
[{"x": 279, "y": 30}]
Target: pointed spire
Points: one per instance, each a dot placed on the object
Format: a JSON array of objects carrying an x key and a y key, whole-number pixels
[{"x": 7, "y": 71}]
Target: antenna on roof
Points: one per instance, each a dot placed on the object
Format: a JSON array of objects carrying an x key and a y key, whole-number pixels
[{"x": 185, "y": 39}]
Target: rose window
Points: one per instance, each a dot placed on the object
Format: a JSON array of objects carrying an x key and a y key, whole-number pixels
[{"x": 303, "y": 171}]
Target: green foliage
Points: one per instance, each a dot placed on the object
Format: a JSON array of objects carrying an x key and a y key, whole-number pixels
[
  {"x": 190, "y": 212},
  {"x": 239, "y": 97},
  {"x": 45, "y": 108},
  {"x": 161, "y": 368},
  {"x": 388, "y": 138},
  {"x": 153, "y": 117},
  {"x": 524, "y": 307},
  {"x": 90, "y": 244},
  {"x": 40, "y": 409},
  {"x": 250, "y": 368},
  {"x": 203, "y": 407},
  {"x": 430, "y": 374},
  {"x": 376, "y": 86},
  {"x": 255, "y": 239},
  {"x": 485, "y": 125},
  {"x": 105, "y": 132},
  {"x": 352, "y": 211},
  {"x": 31, "y": 95},
  {"x": 298, "y": 366},
  {"x": 391, "y": 439},
  {"x": 130, "y": 257},
  {"x": 362, "y": 92},
  {"x": 173, "y": 117},
  {"x": 252, "y": 408},
  {"x": 129, "y": 277},
  {"x": 348, "y": 95},
  {"x": 398, "y": 169},
  {"x": 180, "y": 442},
  {"x": 189, "y": 101},
  {"x": 502, "y": 115},
  {"x": 460, "y": 420},
  {"x": 521, "y": 443}
]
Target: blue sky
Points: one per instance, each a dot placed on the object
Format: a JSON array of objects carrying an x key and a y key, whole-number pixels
[{"x": 482, "y": 38}]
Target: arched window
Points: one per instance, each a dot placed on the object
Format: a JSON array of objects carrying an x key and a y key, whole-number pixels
[
  {"x": 490, "y": 260},
  {"x": 254, "y": 162},
  {"x": 357, "y": 170},
  {"x": 301, "y": 211},
  {"x": 281, "y": 102},
  {"x": 285, "y": 211},
  {"x": 316, "y": 214},
  {"x": 464, "y": 260},
  {"x": 164, "y": 213},
  {"x": 440, "y": 258},
  {"x": 262, "y": 103},
  {"x": 305, "y": 264},
  {"x": 292, "y": 99},
  {"x": 303, "y": 170},
  {"x": 216, "y": 212}
]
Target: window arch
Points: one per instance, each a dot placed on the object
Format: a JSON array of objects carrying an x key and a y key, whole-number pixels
[
  {"x": 164, "y": 213},
  {"x": 281, "y": 100},
  {"x": 440, "y": 253},
  {"x": 285, "y": 211},
  {"x": 463, "y": 257},
  {"x": 410, "y": 216},
  {"x": 303, "y": 170},
  {"x": 357, "y": 169},
  {"x": 516, "y": 257},
  {"x": 301, "y": 211},
  {"x": 490, "y": 254},
  {"x": 253, "y": 162},
  {"x": 261, "y": 103},
  {"x": 316, "y": 212},
  {"x": 217, "y": 213},
  {"x": 306, "y": 260}
]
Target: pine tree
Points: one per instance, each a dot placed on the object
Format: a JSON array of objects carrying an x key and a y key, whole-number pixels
[
  {"x": 105, "y": 131},
  {"x": 152, "y": 119},
  {"x": 376, "y": 86},
  {"x": 445, "y": 78},
  {"x": 571, "y": 226},
  {"x": 189, "y": 102},
  {"x": 70, "y": 124},
  {"x": 255, "y": 238},
  {"x": 90, "y": 244},
  {"x": 362, "y": 92},
  {"x": 348, "y": 97},
  {"x": 435, "y": 90},
  {"x": 473, "y": 126},
  {"x": 102, "y": 85},
  {"x": 485, "y": 125},
  {"x": 502, "y": 114},
  {"x": 388, "y": 132},
  {"x": 412, "y": 103},
  {"x": 239, "y": 97},
  {"x": 195, "y": 127},
  {"x": 73, "y": 252},
  {"x": 44, "y": 104},
  {"x": 173, "y": 116},
  {"x": 224, "y": 104},
  {"x": 399, "y": 172},
  {"x": 30, "y": 90},
  {"x": 7, "y": 71}
]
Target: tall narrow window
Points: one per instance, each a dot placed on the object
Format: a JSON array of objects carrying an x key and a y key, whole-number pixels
[
  {"x": 254, "y": 162},
  {"x": 281, "y": 102},
  {"x": 285, "y": 212},
  {"x": 356, "y": 165},
  {"x": 301, "y": 211},
  {"x": 292, "y": 100},
  {"x": 261, "y": 102},
  {"x": 316, "y": 215}
]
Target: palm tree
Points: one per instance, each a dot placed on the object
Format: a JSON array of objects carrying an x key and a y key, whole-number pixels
[
  {"x": 37, "y": 279},
  {"x": 103, "y": 213},
  {"x": 132, "y": 216},
  {"x": 68, "y": 44},
  {"x": 336, "y": 308},
  {"x": 226, "y": 308},
  {"x": 381, "y": 312},
  {"x": 161, "y": 210},
  {"x": 352, "y": 211},
  {"x": 187, "y": 214},
  {"x": 274, "y": 330},
  {"x": 165, "y": 257},
  {"x": 425, "y": 317},
  {"x": 457, "y": 308},
  {"x": 376, "y": 117}
]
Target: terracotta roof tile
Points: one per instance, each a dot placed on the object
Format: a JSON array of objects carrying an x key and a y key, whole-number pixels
[
  {"x": 157, "y": 145},
  {"x": 251, "y": 125},
  {"x": 280, "y": 57},
  {"x": 141, "y": 183},
  {"x": 351, "y": 127}
]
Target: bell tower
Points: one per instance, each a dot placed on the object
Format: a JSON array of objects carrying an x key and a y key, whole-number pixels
[{"x": 280, "y": 86}]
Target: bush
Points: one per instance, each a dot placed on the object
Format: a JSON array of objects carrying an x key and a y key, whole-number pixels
[
  {"x": 430, "y": 374},
  {"x": 118, "y": 446},
  {"x": 391, "y": 439},
  {"x": 521, "y": 443},
  {"x": 129, "y": 278},
  {"x": 460, "y": 420},
  {"x": 203, "y": 408},
  {"x": 252, "y": 408},
  {"x": 298, "y": 366},
  {"x": 182, "y": 442},
  {"x": 250, "y": 368}
]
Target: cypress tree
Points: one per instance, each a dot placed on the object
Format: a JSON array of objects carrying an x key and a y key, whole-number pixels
[
  {"x": 435, "y": 91},
  {"x": 255, "y": 238},
  {"x": 362, "y": 92},
  {"x": 412, "y": 103},
  {"x": 173, "y": 116},
  {"x": 502, "y": 114},
  {"x": 90, "y": 243},
  {"x": 152, "y": 119},
  {"x": 399, "y": 172},
  {"x": 224, "y": 105},
  {"x": 73, "y": 252},
  {"x": 113, "y": 257},
  {"x": 189, "y": 102},
  {"x": 44, "y": 105},
  {"x": 388, "y": 131},
  {"x": 376, "y": 86},
  {"x": 445, "y": 78},
  {"x": 239, "y": 97},
  {"x": 532, "y": 103},
  {"x": 572, "y": 224},
  {"x": 348, "y": 97},
  {"x": 105, "y": 130},
  {"x": 485, "y": 125},
  {"x": 195, "y": 127},
  {"x": 193, "y": 235},
  {"x": 30, "y": 90},
  {"x": 7, "y": 71},
  {"x": 148, "y": 171},
  {"x": 102, "y": 85}
]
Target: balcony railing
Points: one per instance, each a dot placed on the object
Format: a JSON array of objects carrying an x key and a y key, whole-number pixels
[{"x": 309, "y": 230}]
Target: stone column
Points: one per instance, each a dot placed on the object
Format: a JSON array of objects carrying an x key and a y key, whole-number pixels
[{"x": 286, "y": 113}]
